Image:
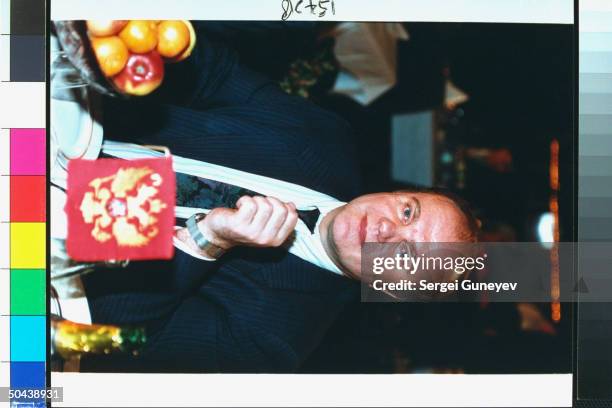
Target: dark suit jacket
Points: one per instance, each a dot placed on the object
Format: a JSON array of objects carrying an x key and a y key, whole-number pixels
[{"x": 255, "y": 310}]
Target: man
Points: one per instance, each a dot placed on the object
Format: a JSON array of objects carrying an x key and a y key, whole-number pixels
[
  {"x": 258, "y": 307},
  {"x": 384, "y": 217}
]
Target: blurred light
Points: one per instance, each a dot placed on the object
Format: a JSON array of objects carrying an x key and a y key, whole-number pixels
[
  {"x": 546, "y": 229},
  {"x": 554, "y": 165},
  {"x": 446, "y": 158},
  {"x": 555, "y": 286}
]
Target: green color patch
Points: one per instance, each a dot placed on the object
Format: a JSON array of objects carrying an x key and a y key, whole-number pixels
[{"x": 28, "y": 292}]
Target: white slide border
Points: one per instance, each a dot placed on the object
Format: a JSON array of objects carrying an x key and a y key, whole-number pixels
[
  {"x": 424, "y": 390},
  {"x": 310, "y": 390},
  {"x": 489, "y": 11}
]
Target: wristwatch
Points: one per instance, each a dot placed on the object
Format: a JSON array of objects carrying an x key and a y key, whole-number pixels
[{"x": 212, "y": 250}]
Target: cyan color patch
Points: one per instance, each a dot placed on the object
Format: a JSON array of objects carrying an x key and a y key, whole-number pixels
[{"x": 28, "y": 338}]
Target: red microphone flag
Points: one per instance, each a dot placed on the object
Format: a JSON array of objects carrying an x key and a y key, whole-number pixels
[{"x": 120, "y": 209}]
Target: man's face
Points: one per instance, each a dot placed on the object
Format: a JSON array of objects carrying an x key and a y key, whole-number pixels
[{"x": 393, "y": 217}]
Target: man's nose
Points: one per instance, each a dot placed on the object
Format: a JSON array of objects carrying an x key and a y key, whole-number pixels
[{"x": 386, "y": 230}]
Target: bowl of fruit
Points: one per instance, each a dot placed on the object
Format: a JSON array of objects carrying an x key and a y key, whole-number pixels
[{"x": 125, "y": 57}]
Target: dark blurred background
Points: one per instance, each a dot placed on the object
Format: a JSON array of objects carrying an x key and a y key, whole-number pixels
[{"x": 497, "y": 150}]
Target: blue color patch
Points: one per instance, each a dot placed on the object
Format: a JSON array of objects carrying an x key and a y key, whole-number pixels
[{"x": 28, "y": 375}]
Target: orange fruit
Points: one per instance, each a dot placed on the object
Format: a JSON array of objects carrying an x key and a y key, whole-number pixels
[
  {"x": 192, "y": 43},
  {"x": 111, "y": 53},
  {"x": 173, "y": 38},
  {"x": 140, "y": 36},
  {"x": 103, "y": 28}
]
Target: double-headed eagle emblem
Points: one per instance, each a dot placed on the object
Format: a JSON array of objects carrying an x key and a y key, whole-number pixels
[{"x": 123, "y": 206}]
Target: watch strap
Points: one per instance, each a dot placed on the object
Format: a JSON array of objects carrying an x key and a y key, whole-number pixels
[{"x": 201, "y": 241}]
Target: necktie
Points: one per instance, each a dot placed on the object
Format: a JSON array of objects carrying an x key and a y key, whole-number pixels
[{"x": 198, "y": 192}]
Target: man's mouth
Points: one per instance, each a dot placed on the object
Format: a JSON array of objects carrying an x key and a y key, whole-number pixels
[{"x": 363, "y": 229}]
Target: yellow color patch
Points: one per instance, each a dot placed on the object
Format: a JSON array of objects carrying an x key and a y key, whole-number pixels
[{"x": 28, "y": 245}]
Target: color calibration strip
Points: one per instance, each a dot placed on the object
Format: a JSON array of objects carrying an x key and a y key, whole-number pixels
[
  {"x": 594, "y": 365},
  {"x": 24, "y": 275},
  {"x": 25, "y": 43},
  {"x": 23, "y": 301}
]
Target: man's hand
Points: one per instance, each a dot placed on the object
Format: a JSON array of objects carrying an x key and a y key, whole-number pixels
[{"x": 256, "y": 221}]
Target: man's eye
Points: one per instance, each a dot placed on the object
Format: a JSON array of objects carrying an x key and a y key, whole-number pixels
[{"x": 407, "y": 213}]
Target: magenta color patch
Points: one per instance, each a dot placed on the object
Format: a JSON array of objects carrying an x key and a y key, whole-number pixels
[{"x": 28, "y": 152}]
